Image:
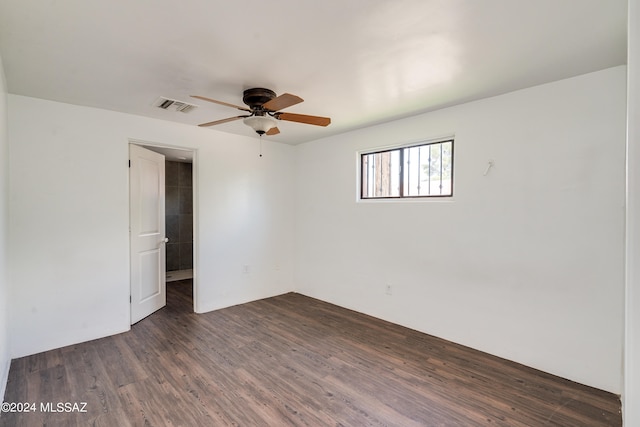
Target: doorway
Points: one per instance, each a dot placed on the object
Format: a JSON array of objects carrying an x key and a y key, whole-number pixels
[
  {"x": 180, "y": 188},
  {"x": 179, "y": 228}
]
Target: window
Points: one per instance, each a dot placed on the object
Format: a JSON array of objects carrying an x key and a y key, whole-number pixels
[{"x": 421, "y": 170}]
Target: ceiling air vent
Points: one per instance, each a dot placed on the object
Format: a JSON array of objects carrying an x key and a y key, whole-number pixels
[{"x": 174, "y": 105}]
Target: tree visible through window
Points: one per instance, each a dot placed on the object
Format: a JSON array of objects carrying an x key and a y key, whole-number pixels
[{"x": 423, "y": 170}]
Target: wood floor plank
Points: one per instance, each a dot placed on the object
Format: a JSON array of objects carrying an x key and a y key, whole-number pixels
[{"x": 290, "y": 360}]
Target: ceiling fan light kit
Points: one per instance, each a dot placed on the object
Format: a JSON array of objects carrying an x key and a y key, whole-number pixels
[
  {"x": 261, "y": 124},
  {"x": 264, "y": 108}
]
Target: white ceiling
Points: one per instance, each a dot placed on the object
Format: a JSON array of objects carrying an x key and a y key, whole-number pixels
[{"x": 359, "y": 62}]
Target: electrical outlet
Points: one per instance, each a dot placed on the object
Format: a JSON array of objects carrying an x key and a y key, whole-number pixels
[{"x": 388, "y": 290}]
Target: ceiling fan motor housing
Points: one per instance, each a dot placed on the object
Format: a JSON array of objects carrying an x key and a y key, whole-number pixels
[{"x": 257, "y": 97}]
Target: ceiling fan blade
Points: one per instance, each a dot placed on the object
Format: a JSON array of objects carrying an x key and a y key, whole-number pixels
[
  {"x": 302, "y": 118},
  {"x": 218, "y": 122},
  {"x": 226, "y": 104},
  {"x": 283, "y": 101},
  {"x": 273, "y": 131}
]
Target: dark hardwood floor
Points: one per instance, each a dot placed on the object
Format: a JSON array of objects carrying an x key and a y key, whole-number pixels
[{"x": 289, "y": 360}]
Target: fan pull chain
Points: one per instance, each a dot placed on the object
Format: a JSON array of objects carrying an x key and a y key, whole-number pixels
[{"x": 260, "y": 145}]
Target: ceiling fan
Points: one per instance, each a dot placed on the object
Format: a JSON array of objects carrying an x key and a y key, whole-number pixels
[{"x": 264, "y": 111}]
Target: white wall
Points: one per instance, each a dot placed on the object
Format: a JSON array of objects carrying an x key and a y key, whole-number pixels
[
  {"x": 525, "y": 263},
  {"x": 5, "y": 356},
  {"x": 631, "y": 396},
  {"x": 70, "y": 218}
]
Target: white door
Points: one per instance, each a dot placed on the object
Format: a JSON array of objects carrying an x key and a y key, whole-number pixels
[{"x": 147, "y": 234}]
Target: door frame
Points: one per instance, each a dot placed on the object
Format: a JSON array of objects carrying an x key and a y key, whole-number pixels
[{"x": 159, "y": 147}]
